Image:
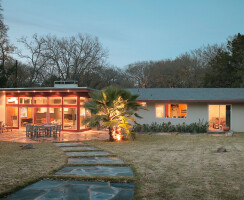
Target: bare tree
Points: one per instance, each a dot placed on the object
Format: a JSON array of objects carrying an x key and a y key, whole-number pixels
[
  {"x": 35, "y": 57},
  {"x": 76, "y": 56},
  {"x": 139, "y": 73},
  {"x": 5, "y": 49}
]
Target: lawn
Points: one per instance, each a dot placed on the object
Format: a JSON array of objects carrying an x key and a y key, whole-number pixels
[
  {"x": 20, "y": 167},
  {"x": 183, "y": 167}
]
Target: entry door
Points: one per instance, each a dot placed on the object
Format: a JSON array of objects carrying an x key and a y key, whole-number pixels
[{"x": 219, "y": 116}]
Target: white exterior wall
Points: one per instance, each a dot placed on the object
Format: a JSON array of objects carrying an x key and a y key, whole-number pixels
[
  {"x": 2, "y": 107},
  {"x": 237, "y": 118},
  {"x": 195, "y": 111}
]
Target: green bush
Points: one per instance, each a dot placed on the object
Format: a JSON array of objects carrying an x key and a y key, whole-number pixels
[{"x": 196, "y": 127}]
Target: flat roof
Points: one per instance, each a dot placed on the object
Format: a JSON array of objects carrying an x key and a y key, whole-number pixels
[
  {"x": 189, "y": 94},
  {"x": 39, "y": 89}
]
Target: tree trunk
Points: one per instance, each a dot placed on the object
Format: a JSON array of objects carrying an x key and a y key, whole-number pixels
[{"x": 111, "y": 139}]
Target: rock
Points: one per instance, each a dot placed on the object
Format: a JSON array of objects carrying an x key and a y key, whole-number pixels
[
  {"x": 28, "y": 146},
  {"x": 221, "y": 149}
]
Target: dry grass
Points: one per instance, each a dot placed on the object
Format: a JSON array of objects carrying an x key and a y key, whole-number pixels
[
  {"x": 183, "y": 167},
  {"x": 20, "y": 167}
]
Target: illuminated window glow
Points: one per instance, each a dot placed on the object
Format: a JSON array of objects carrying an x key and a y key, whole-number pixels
[
  {"x": 175, "y": 110},
  {"x": 159, "y": 110},
  {"x": 12, "y": 100}
]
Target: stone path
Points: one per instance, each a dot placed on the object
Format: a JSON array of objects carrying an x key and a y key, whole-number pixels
[{"x": 102, "y": 164}]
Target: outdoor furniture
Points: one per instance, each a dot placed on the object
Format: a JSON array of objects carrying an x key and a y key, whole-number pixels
[
  {"x": 6, "y": 127},
  {"x": 56, "y": 130},
  {"x": 40, "y": 130},
  {"x": 1, "y": 128},
  {"x": 49, "y": 129},
  {"x": 29, "y": 130}
]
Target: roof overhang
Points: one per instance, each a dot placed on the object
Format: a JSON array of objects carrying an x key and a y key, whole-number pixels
[
  {"x": 191, "y": 101},
  {"x": 51, "y": 89}
]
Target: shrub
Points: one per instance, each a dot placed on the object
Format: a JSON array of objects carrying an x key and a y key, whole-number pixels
[{"x": 196, "y": 127}]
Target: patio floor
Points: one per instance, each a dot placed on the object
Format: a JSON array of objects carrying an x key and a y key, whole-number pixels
[{"x": 65, "y": 136}]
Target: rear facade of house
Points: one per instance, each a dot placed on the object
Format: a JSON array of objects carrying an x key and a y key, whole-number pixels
[
  {"x": 219, "y": 107},
  {"x": 63, "y": 104}
]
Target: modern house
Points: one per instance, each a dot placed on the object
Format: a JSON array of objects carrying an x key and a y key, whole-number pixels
[
  {"x": 63, "y": 104},
  {"x": 219, "y": 107}
]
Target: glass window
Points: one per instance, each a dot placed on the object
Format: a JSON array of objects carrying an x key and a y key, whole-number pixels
[
  {"x": 175, "y": 110},
  {"x": 12, "y": 116},
  {"x": 144, "y": 104},
  {"x": 25, "y": 100},
  {"x": 84, "y": 113},
  {"x": 82, "y": 100},
  {"x": 40, "y": 115},
  {"x": 55, "y": 100},
  {"x": 70, "y": 119},
  {"x": 55, "y": 115},
  {"x": 159, "y": 110},
  {"x": 12, "y": 100},
  {"x": 26, "y": 116},
  {"x": 40, "y": 100},
  {"x": 70, "y": 100},
  {"x": 219, "y": 116}
]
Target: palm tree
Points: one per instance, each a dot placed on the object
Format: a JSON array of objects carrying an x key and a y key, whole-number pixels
[{"x": 113, "y": 107}]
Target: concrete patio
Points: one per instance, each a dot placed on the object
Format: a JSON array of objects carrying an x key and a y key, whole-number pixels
[{"x": 65, "y": 136}]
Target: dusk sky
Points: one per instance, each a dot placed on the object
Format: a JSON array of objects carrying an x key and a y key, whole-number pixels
[{"x": 131, "y": 30}]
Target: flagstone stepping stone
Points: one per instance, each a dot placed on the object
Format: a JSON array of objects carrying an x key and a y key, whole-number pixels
[
  {"x": 96, "y": 171},
  {"x": 87, "y": 153},
  {"x": 103, "y": 160},
  {"x": 57, "y": 189},
  {"x": 69, "y": 144},
  {"x": 77, "y": 148}
]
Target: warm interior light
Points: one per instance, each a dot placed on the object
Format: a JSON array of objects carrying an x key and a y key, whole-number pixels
[
  {"x": 12, "y": 100},
  {"x": 143, "y": 103}
]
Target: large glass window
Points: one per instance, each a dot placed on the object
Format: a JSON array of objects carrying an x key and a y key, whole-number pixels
[
  {"x": 40, "y": 115},
  {"x": 219, "y": 116},
  {"x": 26, "y": 115},
  {"x": 12, "y": 100},
  {"x": 55, "y": 100},
  {"x": 70, "y": 119},
  {"x": 175, "y": 110},
  {"x": 40, "y": 100},
  {"x": 159, "y": 110},
  {"x": 12, "y": 116},
  {"x": 55, "y": 115},
  {"x": 70, "y": 100},
  {"x": 25, "y": 100},
  {"x": 84, "y": 113}
]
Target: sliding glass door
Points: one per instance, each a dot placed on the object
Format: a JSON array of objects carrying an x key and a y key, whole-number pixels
[{"x": 219, "y": 116}]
